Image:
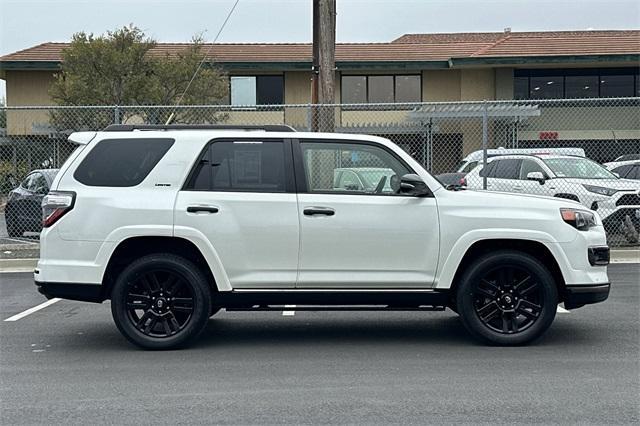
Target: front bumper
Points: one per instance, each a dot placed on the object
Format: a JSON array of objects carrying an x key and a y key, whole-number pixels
[{"x": 576, "y": 296}]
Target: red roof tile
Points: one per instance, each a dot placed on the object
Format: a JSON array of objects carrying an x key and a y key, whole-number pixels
[{"x": 410, "y": 47}]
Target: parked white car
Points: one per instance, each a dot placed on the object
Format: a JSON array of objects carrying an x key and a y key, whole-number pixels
[
  {"x": 173, "y": 223},
  {"x": 473, "y": 159},
  {"x": 574, "y": 178},
  {"x": 625, "y": 169}
]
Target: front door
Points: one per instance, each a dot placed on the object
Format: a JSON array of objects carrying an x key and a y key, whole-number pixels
[
  {"x": 366, "y": 235},
  {"x": 240, "y": 199}
]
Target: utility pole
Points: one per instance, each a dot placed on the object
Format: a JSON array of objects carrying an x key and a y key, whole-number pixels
[{"x": 324, "y": 64}]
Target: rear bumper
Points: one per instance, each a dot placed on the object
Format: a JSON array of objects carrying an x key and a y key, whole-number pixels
[
  {"x": 576, "y": 296},
  {"x": 72, "y": 291}
]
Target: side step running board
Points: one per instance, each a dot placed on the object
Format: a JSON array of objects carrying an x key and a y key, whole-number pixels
[{"x": 336, "y": 308}]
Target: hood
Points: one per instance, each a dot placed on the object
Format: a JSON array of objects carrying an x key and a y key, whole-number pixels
[
  {"x": 619, "y": 184},
  {"x": 510, "y": 198}
]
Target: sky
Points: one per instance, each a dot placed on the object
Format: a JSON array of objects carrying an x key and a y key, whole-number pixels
[{"x": 25, "y": 23}]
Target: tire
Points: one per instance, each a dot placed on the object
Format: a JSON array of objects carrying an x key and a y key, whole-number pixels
[
  {"x": 507, "y": 298},
  {"x": 13, "y": 229},
  {"x": 161, "y": 301}
]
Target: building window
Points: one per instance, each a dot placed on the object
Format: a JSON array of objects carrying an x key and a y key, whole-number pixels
[
  {"x": 616, "y": 86},
  {"x": 359, "y": 89},
  {"x": 575, "y": 83},
  {"x": 257, "y": 90},
  {"x": 546, "y": 87},
  {"x": 581, "y": 86}
]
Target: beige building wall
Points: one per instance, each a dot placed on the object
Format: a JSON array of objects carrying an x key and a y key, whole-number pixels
[
  {"x": 440, "y": 85},
  {"x": 27, "y": 88},
  {"x": 504, "y": 83},
  {"x": 297, "y": 90},
  {"x": 475, "y": 85}
]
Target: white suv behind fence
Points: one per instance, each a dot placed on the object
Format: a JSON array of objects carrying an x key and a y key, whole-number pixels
[{"x": 174, "y": 223}]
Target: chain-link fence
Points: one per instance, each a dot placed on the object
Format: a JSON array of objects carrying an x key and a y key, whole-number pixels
[{"x": 587, "y": 150}]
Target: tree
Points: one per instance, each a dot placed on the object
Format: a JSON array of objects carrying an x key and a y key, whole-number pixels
[{"x": 121, "y": 68}]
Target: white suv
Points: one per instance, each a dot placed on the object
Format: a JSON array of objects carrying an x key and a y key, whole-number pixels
[
  {"x": 570, "y": 177},
  {"x": 173, "y": 223}
]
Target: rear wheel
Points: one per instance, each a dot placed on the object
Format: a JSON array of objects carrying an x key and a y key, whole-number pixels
[
  {"x": 161, "y": 301},
  {"x": 13, "y": 227},
  {"x": 507, "y": 298}
]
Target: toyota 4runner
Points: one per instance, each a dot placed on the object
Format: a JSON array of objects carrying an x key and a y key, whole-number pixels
[{"x": 174, "y": 223}]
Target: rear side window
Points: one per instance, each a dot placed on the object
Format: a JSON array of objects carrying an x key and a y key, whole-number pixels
[
  {"x": 623, "y": 170},
  {"x": 121, "y": 162},
  {"x": 507, "y": 169},
  {"x": 242, "y": 166}
]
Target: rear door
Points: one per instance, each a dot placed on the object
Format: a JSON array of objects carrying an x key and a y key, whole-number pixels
[
  {"x": 241, "y": 198},
  {"x": 505, "y": 175}
]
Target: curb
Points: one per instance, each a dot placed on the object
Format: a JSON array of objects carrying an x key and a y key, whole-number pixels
[
  {"x": 28, "y": 265},
  {"x": 17, "y": 265}
]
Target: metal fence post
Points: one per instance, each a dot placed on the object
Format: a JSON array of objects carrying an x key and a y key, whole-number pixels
[
  {"x": 116, "y": 115},
  {"x": 485, "y": 140}
]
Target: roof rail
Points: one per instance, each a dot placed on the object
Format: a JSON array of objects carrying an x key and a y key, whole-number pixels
[{"x": 132, "y": 127}]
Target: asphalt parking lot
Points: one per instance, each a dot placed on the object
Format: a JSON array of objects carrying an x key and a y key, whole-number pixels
[{"x": 67, "y": 363}]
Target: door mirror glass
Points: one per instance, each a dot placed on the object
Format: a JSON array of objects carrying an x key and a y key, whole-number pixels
[
  {"x": 537, "y": 176},
  {"x": 412, "y": 184}
]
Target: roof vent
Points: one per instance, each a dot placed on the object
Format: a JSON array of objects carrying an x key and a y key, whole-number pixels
[{"x": 507, "y": 30}]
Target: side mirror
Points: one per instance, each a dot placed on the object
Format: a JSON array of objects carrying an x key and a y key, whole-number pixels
[
  {"x": 412, "y": 184},
  {"x": 538, "y": 176}
]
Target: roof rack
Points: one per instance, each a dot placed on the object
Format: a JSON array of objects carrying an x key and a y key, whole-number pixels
[{"x": 132, "y": 127}]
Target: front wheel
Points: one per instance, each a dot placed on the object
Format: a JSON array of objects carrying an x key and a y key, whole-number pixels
[
  {"x": 507, "y": 298},
  {"x": 161, "y": 301}
]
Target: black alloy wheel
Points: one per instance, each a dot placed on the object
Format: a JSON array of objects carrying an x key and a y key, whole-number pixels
[
  {"x": 507, "y": 298},
  {"x": 161, "y": 301}
]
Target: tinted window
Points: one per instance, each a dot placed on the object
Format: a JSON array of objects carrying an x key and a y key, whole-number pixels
[
  {"x": 581, "y": 86},
  {"x": 616, "y": 86},
  {"x": 354, "y": 89},
  {"x": 408, "y": 88},
  {"x": 26, "y": 183},
  {"x": 252, "y": 166},
  {"x": 374, "y": 167},
  {"x": 381, "y": 89},
  {"x": 121, "y": 162},
  {"x": 635, "y": 173},
  {"x": 269, "y": 90},
  {"x": 39, "y": 183},
  {"x": 507, "y": 169},
  {"x": 546, "y": 87},
  {"x": 489, "y": 170},
  {"x": 529, "y": 166}
]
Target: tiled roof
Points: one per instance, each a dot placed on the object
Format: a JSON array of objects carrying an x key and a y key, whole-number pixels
[{"x": 410, "y": 47}]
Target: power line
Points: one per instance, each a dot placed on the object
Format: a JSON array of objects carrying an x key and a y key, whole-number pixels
[{"x": 204, "y": 58}]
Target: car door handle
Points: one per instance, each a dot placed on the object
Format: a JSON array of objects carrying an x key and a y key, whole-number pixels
[
  {"x": 312, "y": 211},
  {"x": 205, "y": 209}
]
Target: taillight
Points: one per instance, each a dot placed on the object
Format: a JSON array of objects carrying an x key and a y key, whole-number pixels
[
  {"x": 55, "y": 205},
  {"x": 463, "y": 182}
]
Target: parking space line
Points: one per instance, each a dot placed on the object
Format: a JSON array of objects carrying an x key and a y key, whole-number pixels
[
  {"x": 29, "y": 311},
  {"x": 562, "y": 310},
  {"x": 289, "y": 313}
]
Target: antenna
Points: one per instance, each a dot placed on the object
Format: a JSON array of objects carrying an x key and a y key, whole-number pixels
[{"x": 204, "y": 58}]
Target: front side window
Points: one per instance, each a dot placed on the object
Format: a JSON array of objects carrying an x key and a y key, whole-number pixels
[
  {"x": 348, "y": 167},
  {"x": 257, "y": 90},
  {"x": 121, "y": 162},
  {"x": 241, "y": 166},
  {"x": 530, "y": 166}
]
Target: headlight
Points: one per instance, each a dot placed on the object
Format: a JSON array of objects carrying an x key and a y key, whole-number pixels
[
  {"x": 607, "y": 192},
  {"x": 579, "y": 219}
]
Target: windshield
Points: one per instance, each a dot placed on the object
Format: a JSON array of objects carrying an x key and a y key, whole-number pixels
[{"x": 578, "y": 168}]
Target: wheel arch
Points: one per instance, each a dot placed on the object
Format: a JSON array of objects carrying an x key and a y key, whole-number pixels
[
  {"x": 536, "y": 249},
  {"x": 132, "y": 248}
]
